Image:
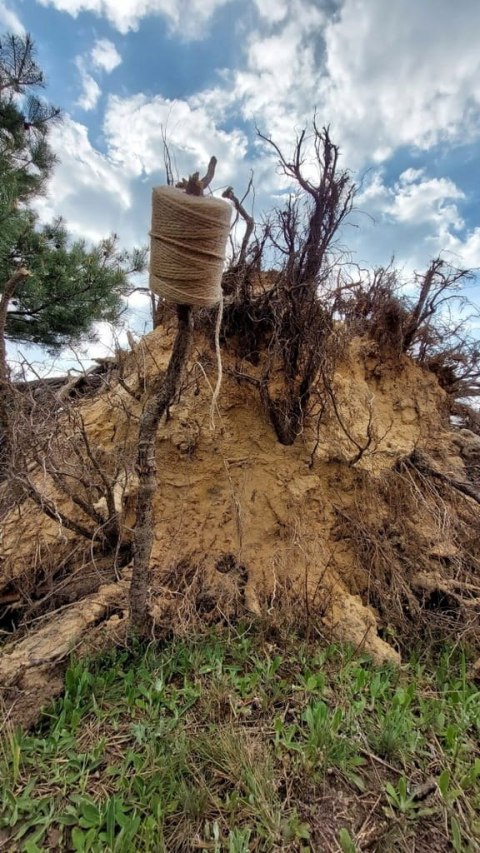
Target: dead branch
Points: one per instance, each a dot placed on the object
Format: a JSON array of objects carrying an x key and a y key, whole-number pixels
[
  {"x": 434, "y": 283},
  {"x": 331, "y": 196},
  {"x": 51, "y": 437},
  {"x": 167, "y": 160},
  {"x": 301, "y": 321},
  {"x": 250, "y": 223},
  {"x": 209, "y": 174},
  {"x": 49, "y": 508},
  {"x": 163, "y": 391}
]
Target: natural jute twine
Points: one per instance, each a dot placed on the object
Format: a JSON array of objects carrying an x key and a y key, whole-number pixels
[{"x": 188, "y": 242}]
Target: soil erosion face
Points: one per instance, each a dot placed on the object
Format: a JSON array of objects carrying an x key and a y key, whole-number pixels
[{"x": 245, "y": 520}]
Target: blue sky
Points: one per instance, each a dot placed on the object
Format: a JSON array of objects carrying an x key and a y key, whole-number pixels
[{"x": 398, "y": 81}]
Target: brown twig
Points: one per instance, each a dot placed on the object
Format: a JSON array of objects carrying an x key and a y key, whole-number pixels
[{"x": 161, "y": 395}]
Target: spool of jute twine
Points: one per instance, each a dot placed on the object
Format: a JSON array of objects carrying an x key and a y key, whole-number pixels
[{"x": 188, "y": 241}]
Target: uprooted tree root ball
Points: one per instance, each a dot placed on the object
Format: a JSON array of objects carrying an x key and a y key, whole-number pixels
[
  {"x": 333, "y": 490},
  {"x": 371, "y": 548}
]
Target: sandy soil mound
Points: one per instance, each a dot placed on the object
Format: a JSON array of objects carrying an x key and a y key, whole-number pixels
[{"x": 346, "y": 520}]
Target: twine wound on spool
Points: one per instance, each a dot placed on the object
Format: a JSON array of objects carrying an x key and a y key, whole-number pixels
[
  {"x": 189, "y": 237},
  {"x": 188, "y": 242}
]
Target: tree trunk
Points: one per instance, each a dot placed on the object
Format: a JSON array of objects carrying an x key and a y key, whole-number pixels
[
  {"x": 163, "y": 392},
  {"x": 161, "y": 396},
  {"x": 6, "y": 391}
]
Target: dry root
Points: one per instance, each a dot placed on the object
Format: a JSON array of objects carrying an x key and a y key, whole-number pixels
[{"x": 31, "y": 668}]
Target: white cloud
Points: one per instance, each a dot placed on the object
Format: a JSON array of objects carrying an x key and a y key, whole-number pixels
[
  {"x": 134, "y": 129},
  {"x": 108, "y": 338},
  {"x": 105, "y": 55},
  {"x": 427, "y": 200},
  {"x": 276, "y": 88},
  {"x": 375, "y": 194},
  {"x": 188, "y": 18},
  {"x": 90, "y": 191},
  {"x": 410, "y": 175},
  {"x": 90, "y": 89},
  {"x": 463, "y": 251},
  {"x": 30, "y": 361},
  {"x": 272, "y": 11},
  {"x": 414, "y": 199},
  {"x": 98, "y": 193},
  {"x": 409, "y": 76},
  {"x": 404, "y": 76},
  {"x": 417, "y": 218},
  {"x": 382, "y": 81},
  {"x": 9, "y": 20},
  {"x": 279, "y": 87}
]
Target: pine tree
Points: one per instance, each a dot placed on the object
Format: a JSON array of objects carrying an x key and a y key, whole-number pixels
[
  {"x": 69, "y": 286},
  {"x": 52, "y": 289},
  {"x": 26, "y": 159}
]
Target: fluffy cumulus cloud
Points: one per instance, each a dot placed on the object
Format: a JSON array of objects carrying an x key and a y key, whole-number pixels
[
  {"x": 404, "y": 77},
  {"x": 417, "y": 217},
  {"x": 87, "y": 188},
  {"x": 403, "y": 74},
  {"x": 105, "y": 55},
  {"x": 466, "y": 250},
  {"x": 277, "y": 86},
  {"x": 384, "y": 77},
  {"x": 272, "y": 11},
  {"x": 380, "y": 78},
  {"x": 90, "y": 90},
  {"x": 135, "y": 126},
  {"x": 187, "y": 18},
  {"x": 98, "y": 193},
  {"x": 417, "y": 198}
]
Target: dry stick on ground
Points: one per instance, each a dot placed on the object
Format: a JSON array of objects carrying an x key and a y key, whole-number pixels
[{"x": 161, "y": 395}]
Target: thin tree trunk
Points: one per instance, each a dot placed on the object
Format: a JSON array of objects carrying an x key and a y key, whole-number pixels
[
  {"x": 161, "y": 396},
  {"x": 6, "y": 391}
]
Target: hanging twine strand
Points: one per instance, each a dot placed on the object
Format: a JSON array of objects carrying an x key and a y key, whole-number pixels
[
  {"x": 188, "y": 240},
  {"x": 218, "y": 326}
]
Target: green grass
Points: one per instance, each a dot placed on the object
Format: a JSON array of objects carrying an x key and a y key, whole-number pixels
[{"x": 232, "y": 743}]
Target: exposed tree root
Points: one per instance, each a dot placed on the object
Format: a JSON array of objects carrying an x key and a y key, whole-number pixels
[
  {"x": 31, "y": 668},
  {"x": 424, "y": 465},
  {"x": 434, "y": 582}
]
